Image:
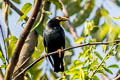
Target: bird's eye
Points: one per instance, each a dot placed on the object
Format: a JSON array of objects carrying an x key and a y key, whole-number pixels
[{"x": 58, "y": 18}]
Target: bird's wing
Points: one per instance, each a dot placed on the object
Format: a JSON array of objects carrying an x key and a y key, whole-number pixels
[
  {"x": 45, "y": 45},
  {"x": 63, "y": 35},
  {"x": 44, "y": 40}
]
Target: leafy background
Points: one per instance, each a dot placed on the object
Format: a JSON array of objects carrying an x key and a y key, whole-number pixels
[{"x": 93, "y": 20}]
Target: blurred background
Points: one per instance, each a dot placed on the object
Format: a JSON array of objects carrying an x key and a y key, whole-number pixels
[{"x": 90, "y": 21}]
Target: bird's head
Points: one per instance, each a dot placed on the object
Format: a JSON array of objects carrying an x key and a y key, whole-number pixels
[{"x": 58, "y": 20}]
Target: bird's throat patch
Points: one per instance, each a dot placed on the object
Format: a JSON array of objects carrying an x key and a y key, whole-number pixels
[{"x": 61, "y": 22}]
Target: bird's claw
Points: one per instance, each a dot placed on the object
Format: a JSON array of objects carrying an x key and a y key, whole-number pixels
[
  {"x": 59, "y": 52},
  {"x": 45, "y": 55}
]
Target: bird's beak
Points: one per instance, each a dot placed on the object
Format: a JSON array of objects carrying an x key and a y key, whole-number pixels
[{"x": 65, "y": 19}]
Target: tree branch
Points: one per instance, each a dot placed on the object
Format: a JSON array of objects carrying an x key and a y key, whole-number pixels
[
  {"x": 3, "y": 43},
  {"x": 21, "y": 65},
  {"x": 100, "y": 65},
  {"x": 104, "y": 77},
  {"x": 1, "y": 75},
  {"x": 69, "y": 25},
  {"x": 15, "y": 8},
  {"x": 21, "y": 40},
  {"x": 52, "y": 53},
  {"x": 117, "y": 77},
  {"x": 5, "y": 13},
  {"x": 30, "y": 42}
]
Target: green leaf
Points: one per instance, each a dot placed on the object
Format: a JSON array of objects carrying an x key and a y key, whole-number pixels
[
  {"x": 76, "y": 64},
  {"x": 16, "y": 1},
  {"x": 81, "y": 74},
  {"x": 97, "y": 16},
  {"x": 94, "y": 63},
  {"x": 104, "y": 12},
  {"x": 69, "y": 72},
  {"x": 39, "y": 29},
  {"x": 25, "y": 9},
  {"x": 98, "y": 55},
  {"x": 3, "y": 66},
  {"x": 57, "y": 3},
  {"x": 81, "y": 55},
  {"x": 1, "y": 57},
  {"x": 113, "y": 66},
  {"x": 101, "y": 71},
  {"x": 114, "y": 33},
  {"x": 104, "y": 48},
  {"x": 116, "y": 18},
  {"x": 79, "y": 40},
  {"x": 39, "y": 49},
  {"x": 21, "y": 18},
  {"x": 74, "y": 5},
  {"x": 83, "y": 14},
  {"x": 95, "y": 78},
  {"x": 12, "y": 42},
  {"x": 89, "y": 25},
  {"x": 1, "y": 5},
  {"x": 36, "y": 77},
  {"x": 48, "y": 12},
  {"x": 106, "y": 69},
  {"x": 10, "y": 38},
  {"x": 74, "y": 77},
  {"x": 102, "y": 32}
]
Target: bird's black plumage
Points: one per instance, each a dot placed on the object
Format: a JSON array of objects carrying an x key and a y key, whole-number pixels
[{"x": 54, "y": 39}]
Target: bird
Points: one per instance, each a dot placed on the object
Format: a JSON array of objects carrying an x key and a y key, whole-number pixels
[{"x": 54, "y": 40}]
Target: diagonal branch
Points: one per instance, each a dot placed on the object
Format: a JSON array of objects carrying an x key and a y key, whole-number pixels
[
  {"x": 104, "y": 59},
  {"x": 52, "y": 53},
  {"x": 20, "y": 66},
  {"x": 22, "y": 39},
  {"x": 5, "y": 13},
  {"x": 104, "y": 77},
  {"x": 117, "y": 77},
  {"x": 15, "y": 8},
  {"x": 31, "y": 42},
  {"x": 3, "y": 43},
  {"x": 69, "y": 25}
]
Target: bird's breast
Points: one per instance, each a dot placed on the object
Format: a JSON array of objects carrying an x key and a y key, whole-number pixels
[{"x": 55, "y": 38}]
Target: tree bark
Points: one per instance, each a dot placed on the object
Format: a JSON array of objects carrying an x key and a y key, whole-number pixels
[
  {"x": 21, "y": 41},
  {"x": 28, "y": 47},
  {"x": 26, "y": 52}
]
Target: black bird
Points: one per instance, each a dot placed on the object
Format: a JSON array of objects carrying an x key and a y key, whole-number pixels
[{"x": 54, "y": 40}]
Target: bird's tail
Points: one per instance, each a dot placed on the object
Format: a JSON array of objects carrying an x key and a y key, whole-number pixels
[
  {"x": 51, "y": 61},
  {"x": 58, "y": 64}
]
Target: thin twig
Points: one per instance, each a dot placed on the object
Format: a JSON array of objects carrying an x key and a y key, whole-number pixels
[
  {"x": 117, "y": 77},
  {"x": 19, "y": 67},
  {"x": 1, "y": 75},
  {"x": 69, "y": 25},
  {"x": 3, "y": 42},
  {"x": 21, "y": 40},
  {"x": 52, "y": 53},
  {"x": 104, "y": 77},
  {"x": 5, "y": 13},
  {"x": 15, "y": 8},
  {"x": 41, "y": 16},
  {"x": 99, "y": 65},
  {"x": 27, "y": 53}
]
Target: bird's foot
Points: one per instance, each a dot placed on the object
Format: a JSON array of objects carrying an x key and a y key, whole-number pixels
[
  {"x": 45, "y": 55},
  {"x": 59, "y": 52}
]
